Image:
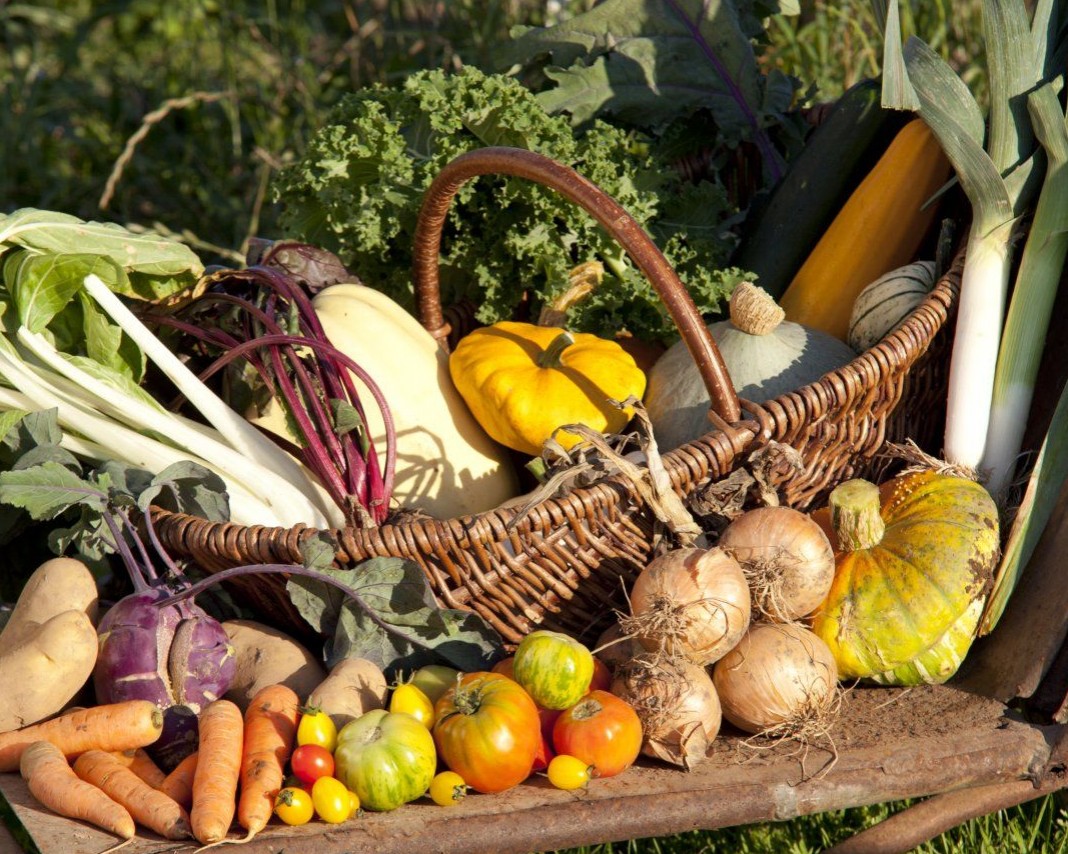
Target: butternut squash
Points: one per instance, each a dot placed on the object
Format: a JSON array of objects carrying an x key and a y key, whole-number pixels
[{"x": 880, "y": 228}]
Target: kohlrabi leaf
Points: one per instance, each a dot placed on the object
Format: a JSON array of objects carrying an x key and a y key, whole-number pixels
[
  {"x": 647, "y": 62},
  {"x": 186, "y": 487},
  {"x": 397, "y": 624},
  {"x": 47, "y": 490}
]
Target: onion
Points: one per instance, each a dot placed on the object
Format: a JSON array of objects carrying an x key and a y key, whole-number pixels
[
  {"x": 787, "y": 559},
  {"x": 677, "y": 704},
  {"x": 781, "y": 679},
  {"x": 614, "y": 647},
  {"x": 690, "y": 603}
]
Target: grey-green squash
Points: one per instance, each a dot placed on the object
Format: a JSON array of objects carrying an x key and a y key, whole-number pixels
[
  {"x": 764, "y": 355},
  {"x": 884, "y": 304}
]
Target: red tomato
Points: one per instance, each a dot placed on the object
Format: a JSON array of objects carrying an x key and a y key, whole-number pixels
[
  {"x": 309, "y": 762},
  {"x": 602, "y": 676},
  {"x": 506, "y": 667},
  {"x": 487, "y": 730},
  {"x": 602, "y": 730}
]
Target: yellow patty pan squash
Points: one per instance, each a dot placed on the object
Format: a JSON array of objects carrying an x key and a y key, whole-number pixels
[
  {"x": 914, "y": 564},
  {"x": 522, "y": 381}
]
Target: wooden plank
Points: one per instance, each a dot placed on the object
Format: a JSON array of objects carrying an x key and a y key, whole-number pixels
[{"x": 890, "y": 744}]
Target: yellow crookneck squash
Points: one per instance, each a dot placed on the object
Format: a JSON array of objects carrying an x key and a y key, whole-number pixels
[
  {"x": 523, "y": 381},
  {"x": 914, "y": 562}
]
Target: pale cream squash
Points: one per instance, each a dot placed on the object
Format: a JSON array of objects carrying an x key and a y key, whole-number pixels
[{"x": 446, "y": 464}]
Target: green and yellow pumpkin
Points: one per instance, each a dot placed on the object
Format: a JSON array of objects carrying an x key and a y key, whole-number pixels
[{"x": 914, "y": 562}]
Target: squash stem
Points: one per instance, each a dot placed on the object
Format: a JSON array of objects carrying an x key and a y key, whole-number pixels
[
  {"x": 855, "y": 515},
  {"x": 550, "y": 357}
]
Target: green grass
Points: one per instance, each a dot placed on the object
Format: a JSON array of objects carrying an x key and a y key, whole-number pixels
[
  {"x": 214, "y": 96},
  {"x": 1038, "y": 827}
]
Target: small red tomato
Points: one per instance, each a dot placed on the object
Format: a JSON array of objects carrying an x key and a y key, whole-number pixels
[
  {"x": 602, "y": 730},
  {"x": 309, "y": 762},
  {"x": 602, "y": 676}
]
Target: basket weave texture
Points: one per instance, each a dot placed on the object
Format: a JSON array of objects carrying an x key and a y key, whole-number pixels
[{"x": 564, "y": 562}]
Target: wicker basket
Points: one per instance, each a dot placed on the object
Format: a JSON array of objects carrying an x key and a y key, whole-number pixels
[{"x": 560, "y": 564}]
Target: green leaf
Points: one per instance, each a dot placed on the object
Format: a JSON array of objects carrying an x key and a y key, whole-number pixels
[
  {"x": 648, "y": 61},
  {"x": 45, "y": 285},
  {"x": 897, "y": 93},
  {"x": 107, "y": 345},
  {"x": 47, "y": 490},
  {"x": 417, "y": 631},
  {"x": 949, "y": 109},
  {"x": 54, "y": 233},
  {"x": 184, "y": 487}
]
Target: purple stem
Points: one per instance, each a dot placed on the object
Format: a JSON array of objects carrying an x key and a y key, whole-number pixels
[
  {"x": 768, "y": 153},
  {"x": 289, "y": 569}
]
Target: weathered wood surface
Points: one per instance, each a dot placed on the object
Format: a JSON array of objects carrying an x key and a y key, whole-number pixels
[{"x": 890, "y": 744}]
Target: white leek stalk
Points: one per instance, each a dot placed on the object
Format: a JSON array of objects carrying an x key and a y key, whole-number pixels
[
  {"x": 1036, "y": 285},
  {"x": 998, "y": 185}
]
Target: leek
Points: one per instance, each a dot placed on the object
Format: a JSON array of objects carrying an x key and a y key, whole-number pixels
[
  {"x": 1027, "y": 323},
  {"x": 998, "y": 181}
]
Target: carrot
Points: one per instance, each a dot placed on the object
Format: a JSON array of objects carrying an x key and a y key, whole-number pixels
[
  {"x": 116, "y": 726},
  {"x": 218, "y": 770},
  {"x": 270, "y": 727},
  {"x": 178, "y": 785},
  {"x": 149, "y": 807},
  {"x": 51, "y": 780},
  {"x": 142, "y": 765}
]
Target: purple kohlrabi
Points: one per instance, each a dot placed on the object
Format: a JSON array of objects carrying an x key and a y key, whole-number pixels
[{"x": 175, "y": 655}]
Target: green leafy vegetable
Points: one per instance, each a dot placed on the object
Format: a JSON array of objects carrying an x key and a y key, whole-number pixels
[
  {"x": 357, "y": 189},
  {"x": 46, "y": 255},
  {"x": 399, "y": 624},
  {"x": 649, "y": 62}
]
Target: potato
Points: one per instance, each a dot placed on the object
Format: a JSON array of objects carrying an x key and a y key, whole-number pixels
[
  {"x": 46, "y": 670},
  {"x": 57, "y": 585},
  {"x": 265, "y": 656},
  {"x": 354, "y": 686}
]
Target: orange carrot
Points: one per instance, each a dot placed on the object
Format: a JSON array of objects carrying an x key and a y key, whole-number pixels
[
  {"x": 51, "y": 780},
  {"x": 142, "y": 765},
  {"x": 116, "y": 726},
  {"x": 270, "y": 727},
  {"x": 218, "y": 771},
  {"x": 178, "y": 785},
  {"x": 149, "y": 807}
]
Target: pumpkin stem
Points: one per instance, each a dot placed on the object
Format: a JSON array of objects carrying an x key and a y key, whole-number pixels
[
  {"x": 753, "y": 310},
  {"x": 551, "y": 355},
  {"x": 855, "y": 515}
]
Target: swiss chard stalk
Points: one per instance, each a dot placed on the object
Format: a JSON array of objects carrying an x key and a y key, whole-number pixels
[{"x": 262, "y": 316}]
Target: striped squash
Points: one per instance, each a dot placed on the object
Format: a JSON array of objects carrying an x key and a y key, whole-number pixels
[{"x": 885, "y": 303}]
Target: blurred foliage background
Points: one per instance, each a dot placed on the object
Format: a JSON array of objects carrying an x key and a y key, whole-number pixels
[{"x": 175, "y": 113}]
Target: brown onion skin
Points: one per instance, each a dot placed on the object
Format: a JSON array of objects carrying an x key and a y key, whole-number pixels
[
  {"x": 792, "y": 547},
  {"x": 778, "y": 674},
  {"x": 673, "y": 699},
  {"x": 707, "y": 590}
]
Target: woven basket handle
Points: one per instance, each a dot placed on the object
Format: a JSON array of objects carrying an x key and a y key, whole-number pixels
[{"x": 602, "y": 207}]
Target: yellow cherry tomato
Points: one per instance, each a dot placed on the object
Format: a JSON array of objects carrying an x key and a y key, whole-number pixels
[
  {"x": 316, "y": 727},
  {"x": 447, "y": 789},
  {"x": 294, "y": 805},
  {"x": 409, "y": 699},
  {"x": 354, "y": 804},
  {"x": 331, "y": 800},
  {"x": 568, "y": 772}
]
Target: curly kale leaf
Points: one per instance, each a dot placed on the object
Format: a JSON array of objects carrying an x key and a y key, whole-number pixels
[{"x": 357, "y": 189}]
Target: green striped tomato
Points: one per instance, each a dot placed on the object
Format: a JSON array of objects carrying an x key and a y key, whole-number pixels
[
  {"x": 386, "y": 758},
  {"x": 555, "y": 669}
]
